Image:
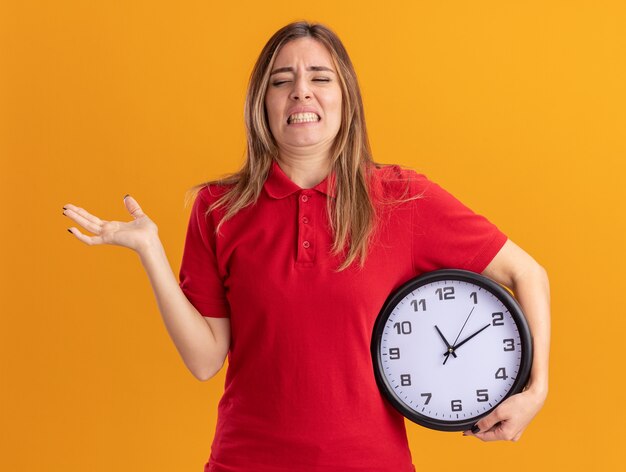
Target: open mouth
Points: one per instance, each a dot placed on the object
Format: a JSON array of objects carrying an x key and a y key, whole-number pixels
[{"x": 303, "y": 118}]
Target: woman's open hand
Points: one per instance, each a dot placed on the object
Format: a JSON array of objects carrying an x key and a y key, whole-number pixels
[{"x": 136, "y": 235}]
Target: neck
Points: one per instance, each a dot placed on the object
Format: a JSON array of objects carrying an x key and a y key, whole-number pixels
[{"x": 305, "y": 172}]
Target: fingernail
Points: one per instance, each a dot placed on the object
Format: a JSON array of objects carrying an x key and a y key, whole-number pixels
[
  {"x": 70, "y": 231},
  {"x": 475, "y": 429},
  {"x": 127, "y": 195},
  {"x": 64, "y": 208}
]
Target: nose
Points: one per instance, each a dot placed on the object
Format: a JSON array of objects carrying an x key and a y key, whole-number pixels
[{"x": 300, "y": 90}]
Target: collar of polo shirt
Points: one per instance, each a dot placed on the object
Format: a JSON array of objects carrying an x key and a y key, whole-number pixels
[{"x": 278, "y": 185}]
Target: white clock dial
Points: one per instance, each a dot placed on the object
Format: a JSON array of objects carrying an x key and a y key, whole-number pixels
[{"x": 450, "y": 350}]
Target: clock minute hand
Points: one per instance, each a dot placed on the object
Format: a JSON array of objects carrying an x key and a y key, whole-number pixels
[
  {"x": 450, "y": 349},
  {"x": 455, "y": 347}
]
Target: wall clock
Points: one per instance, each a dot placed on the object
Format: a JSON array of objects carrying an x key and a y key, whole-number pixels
[{"x": 448, "y": 347}]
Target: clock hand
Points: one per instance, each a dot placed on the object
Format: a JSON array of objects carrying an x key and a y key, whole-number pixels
[
  {"x": 466, "y": 320},
  {"x": 470, "y": 337},
  {"x": 450, "y": 350}
]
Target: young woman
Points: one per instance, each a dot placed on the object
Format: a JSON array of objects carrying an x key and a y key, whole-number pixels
[{"x": 288, "y": 262}]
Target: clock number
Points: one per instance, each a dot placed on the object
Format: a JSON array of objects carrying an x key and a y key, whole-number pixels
[
  {"x": 428, "y": 397},
  {"x": 405, "y": 380},
  {"x": 394, "y": 353},
  {"x": 404, "y": 328},
  {"x": 456, "y": 405},
  {"x": 509, "y": 344},
  {"x": 498, "y": 319},
  {"x": 445, "y": 293},
  {"x": 421, "y": 303},
  {"x": 482, "y": 395},
  {"x": 474, "y": 297},
  {"x": 501, "y": 374}
]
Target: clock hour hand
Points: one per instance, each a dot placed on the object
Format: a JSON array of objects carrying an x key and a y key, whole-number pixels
[
  {"x": 469, "y": 337},
  {"x": 450, "y": 349}
]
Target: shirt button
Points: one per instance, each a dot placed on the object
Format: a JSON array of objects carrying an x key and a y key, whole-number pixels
[
  {"x": 306, "y": 244},
  {"x": 305, "y": 220},
  {"x": 304, "y": 198}
]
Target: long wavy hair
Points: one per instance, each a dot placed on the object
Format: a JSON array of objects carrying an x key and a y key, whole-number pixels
[{"x": 352, "y": 214}]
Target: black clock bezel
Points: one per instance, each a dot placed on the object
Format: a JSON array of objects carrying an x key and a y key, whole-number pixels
[{"x": 435, "y": 276}]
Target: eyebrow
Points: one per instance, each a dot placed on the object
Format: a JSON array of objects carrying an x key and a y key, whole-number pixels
[{"x": 312, "y": 68}]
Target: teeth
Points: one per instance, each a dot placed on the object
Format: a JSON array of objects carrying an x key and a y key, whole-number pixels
[{"x": 303, "y": 118}]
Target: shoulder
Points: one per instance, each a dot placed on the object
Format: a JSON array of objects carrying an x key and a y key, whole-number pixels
[
  {"x": 211, "y": 192},
  {"x": 204, "y": 196},
  {"x": 391, "y": 173},
  {"x": 394, "y": 181}
]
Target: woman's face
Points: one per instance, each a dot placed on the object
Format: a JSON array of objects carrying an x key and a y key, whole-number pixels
[{"x": 303, "y": 99}]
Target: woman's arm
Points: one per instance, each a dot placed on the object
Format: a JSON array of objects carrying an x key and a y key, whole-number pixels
[
  {"x": 514, "y": 268},
  {"x": 203, "y": 343}
]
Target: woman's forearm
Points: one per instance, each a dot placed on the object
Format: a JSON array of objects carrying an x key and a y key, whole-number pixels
[
  {"x": 532, "y": 290},
  {"x": 191, "y": 334}
]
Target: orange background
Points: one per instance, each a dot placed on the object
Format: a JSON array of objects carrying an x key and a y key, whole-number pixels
[{"x": 517, "y": 108}]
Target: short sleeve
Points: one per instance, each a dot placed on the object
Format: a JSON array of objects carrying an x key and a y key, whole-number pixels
[
  {"x": 199, "y": 275},
  {"x": 447, "y": 234}
]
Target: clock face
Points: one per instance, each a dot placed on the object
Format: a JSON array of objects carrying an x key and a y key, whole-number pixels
[{"x": 448, "y": 347}]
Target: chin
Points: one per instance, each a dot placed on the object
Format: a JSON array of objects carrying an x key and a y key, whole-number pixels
[{"x": 304, "y": 141}]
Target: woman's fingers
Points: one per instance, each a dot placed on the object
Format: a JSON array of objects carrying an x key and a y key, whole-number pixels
[
  {"x": 90, "y": 240},
  {"x": 502, "y": 431},
  {"x": 509, "y": 420},
  {"x": 496, "y": 416},
  {"x": 86, "y": 223},
  {"x": 84, "y": 213},
  {"x": 133, "y": 207},
  {"x": 135, "y": 234}
]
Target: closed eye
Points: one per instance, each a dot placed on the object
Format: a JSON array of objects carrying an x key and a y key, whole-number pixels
[{"x": 280, "y": 82}]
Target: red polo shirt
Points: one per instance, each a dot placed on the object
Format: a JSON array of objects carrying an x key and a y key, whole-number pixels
[{"x": 300, "y": 393}]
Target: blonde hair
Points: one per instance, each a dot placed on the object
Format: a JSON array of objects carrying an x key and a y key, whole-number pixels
[{"x": 352, "y": 214}]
